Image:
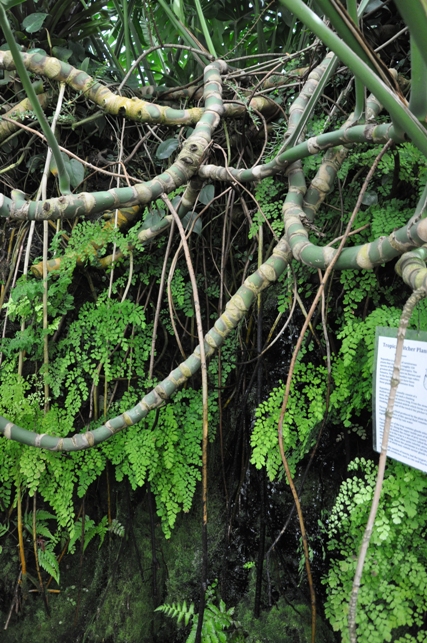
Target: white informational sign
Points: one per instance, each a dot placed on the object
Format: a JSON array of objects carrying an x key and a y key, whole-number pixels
[{"x": 408, "y": 433}]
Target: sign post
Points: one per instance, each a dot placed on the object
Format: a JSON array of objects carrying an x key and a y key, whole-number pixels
[{"x": 408, "y": 432}]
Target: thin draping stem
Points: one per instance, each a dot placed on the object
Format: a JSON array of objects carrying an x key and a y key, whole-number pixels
[
  {"x": 205, "y": 432},
  {"x": 159, "y": 301},
  {"x": 288, "y": 386}
]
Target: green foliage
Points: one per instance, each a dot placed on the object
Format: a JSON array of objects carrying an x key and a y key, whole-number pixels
[
  {"x": 86, "y": 530},
  {"x": 388, "y": 216},
  {"x": 283, "y": 623},
  {"x": 106, "y": 337},
  {"x": 166, "y": 452},
  {"x": 393, "y": 594},
  {"x": 26, "y": 303},
  {"x": 306, "y": 406},
  {"x": 351, "y": 378},
  {"x": 225, "y": 361},
  {"x": 406, "y": 161},
  {"x": 180, "y": 612},
  {"x": 217, "y": 620},
  {"x": 182, "y": 292},
  {"x": 269, "y": 195},
  {"x": 352, "y": 368},
  {"x": 45, "y": 539},
  {"x": 99, "y": 345},
  {"x": 48, "y": 561}
]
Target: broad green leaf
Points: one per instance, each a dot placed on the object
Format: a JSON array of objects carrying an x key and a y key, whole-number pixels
[
  {"x": 37, "y": 50},
  {"x": 154, "y": 217},
  {"x": 62, "y": 53},
  {"x": 34, "y": 22},
  {"x": 167, "y": 148},
  {"x": 74, "y": 168},
  {"x": 193, "y": 221},
  {"x": 8, "y": 4},
  {"x": 76, "y": 171},
  {"x": 84, "y": 65},
  {"x": 207, "y": 194},
  {"x": 178, "y": 8}
]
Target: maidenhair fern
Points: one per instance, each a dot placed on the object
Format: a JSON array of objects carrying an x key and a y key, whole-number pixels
[
  {"x": 164, "y": 449},
  {"x": 351, "y": 392},
  {"x": 269, "y": 195},
  {"x": 306, "y": 407},
  {"x": 393, "y": 595},
  {"x": 99, "y": 341}
]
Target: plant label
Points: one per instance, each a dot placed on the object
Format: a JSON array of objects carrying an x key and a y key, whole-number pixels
[{"x": 408, "y": 431}]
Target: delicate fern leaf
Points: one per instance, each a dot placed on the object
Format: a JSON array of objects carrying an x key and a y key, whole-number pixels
[
  {"x": 41, "y": 514},
  {"x": 48, "y": 561},
  {"x": 116, "y": 528}
]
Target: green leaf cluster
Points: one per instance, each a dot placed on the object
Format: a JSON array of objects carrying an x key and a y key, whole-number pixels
[
  {"x": 269, "y": 195},
  {"x": 166, "y": 453},
  {"x": 218, "y": 623},
  {"x": 393, "y": 593},
  {"x": 306, "y": 407}
]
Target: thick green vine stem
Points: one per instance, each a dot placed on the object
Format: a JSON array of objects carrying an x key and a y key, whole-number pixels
[
  {"x": 16, "y": 56},
  {"x": 369, "y": 133},
  {"x": 132, "y": 108},
  {"x": 365, "y": 256},
  {"x": 235, "y": 310},
  {"x": 179, "y": 172},
  {"x": 412, "y": 268},
  {"x": 185, "y": 166}
]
